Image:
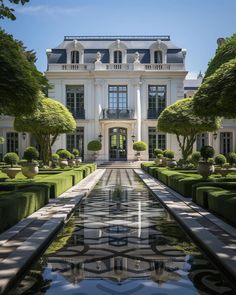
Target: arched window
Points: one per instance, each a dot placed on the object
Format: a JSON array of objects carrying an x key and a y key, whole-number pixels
[
  {"x": 74, "y": 57},
  {"x": 117, "y": 57},
  {"x": 158, "y": 57}
]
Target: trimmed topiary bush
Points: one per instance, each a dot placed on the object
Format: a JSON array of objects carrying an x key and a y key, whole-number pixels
[
  {"x": 158, "y": 152},
  {"x": 220, "y": 160},
  {"x": 169, "y": 154},
  {"x": 75, "y": 152},
  {"x": 30, "y": 154},
  {"x": 55, "y": 157},
  {"x": 139, "y": 146},
  {"x": 231, "y": 157},
  {"x": 195, "y": 158},
  {"x": 64, "y": 154},
  {"x": 94, "y": 145},
  {"x": 11, "y": 159},
  {"x": 207, "y": 152}
]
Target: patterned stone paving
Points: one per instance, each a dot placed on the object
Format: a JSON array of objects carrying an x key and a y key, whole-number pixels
[{"x": 121, "y": 241}]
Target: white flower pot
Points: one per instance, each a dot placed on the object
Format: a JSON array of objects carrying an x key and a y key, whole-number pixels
[
  {"x": 11, "y": 172},
  {"x": 30, "y": 170}
]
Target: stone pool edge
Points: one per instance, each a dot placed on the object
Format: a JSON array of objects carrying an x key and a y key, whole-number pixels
[
  {"x": 12, "y": 267},
  {"x": 215, "y": 248}
]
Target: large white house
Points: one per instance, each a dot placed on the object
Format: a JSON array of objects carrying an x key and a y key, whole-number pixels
[{"x": 116, "y": 87}]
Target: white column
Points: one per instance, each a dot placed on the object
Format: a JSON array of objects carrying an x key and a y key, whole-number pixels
[
  {"x": 138, "y": 110},
  {"x": 97, "y": 106}
]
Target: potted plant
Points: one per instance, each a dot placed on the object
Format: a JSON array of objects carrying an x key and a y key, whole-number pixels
[
  {"x": 139, "y": 146},
  {"x": 159, "y": 155},
  {"x": 64, "y": 155},
  {"x": 29, "y": 167},
  {"x": 71, "y": 160},
  {"x": 76, "y": 153},
  {"x": 169, "y": 155},
  {"x": 55, "y": 160},
  {"x": 11, "y": 159},
  {"x": 205, "y": 166},
  {"x": 220, "y": 160},
  {"x": 94, "y": 146}
]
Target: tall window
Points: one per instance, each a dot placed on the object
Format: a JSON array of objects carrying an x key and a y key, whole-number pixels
[
  {"x": 117, "y": 99},
  {"x": 155, "y": 140},
  {"x": 202, "y": 140},
  {"x": 12, "y": 142},
  {"x": 75, "y": 100},
  {"x": 117, "y": 57},
  {"x": 76, "y": 140},
  {"x": 226, "y": 142},
  {"x": 74, "y": 57},
  {"x": 156, "y": 100},
  {"x": 158, "y": 57}
]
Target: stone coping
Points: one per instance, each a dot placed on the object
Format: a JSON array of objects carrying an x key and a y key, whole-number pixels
[
  {"x": 22, "y": 249},
  {"x": 212, "y": 234}
]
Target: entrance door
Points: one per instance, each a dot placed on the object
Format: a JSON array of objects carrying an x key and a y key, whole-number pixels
[{"x": 118, "y": 144}]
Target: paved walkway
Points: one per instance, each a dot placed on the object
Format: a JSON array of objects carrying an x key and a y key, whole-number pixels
[
  {"x": 216, "y": 237},
  {"x": 26, "y": 240}
]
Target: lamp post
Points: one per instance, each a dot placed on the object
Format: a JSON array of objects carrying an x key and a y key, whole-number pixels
[
  {"x": 133, "y": 138},
  {"x": 24, "y": 135},
  {"x": 100, "y": 137},
  {"x": 215, "y": 135}
]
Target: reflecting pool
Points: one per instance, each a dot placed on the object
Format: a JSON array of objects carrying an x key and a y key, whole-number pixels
[{"x": 122, "y": 241}]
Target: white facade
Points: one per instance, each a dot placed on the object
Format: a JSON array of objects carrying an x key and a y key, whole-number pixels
[{"x": 115, "y": 87}]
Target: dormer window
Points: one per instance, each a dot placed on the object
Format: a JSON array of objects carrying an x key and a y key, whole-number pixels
[
  {"x": 117, "y": 57},
  {"x": 75, "y": 57},
  {"x": 158, "y": 57}
]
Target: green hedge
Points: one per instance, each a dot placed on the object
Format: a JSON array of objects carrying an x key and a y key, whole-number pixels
[
  {"x": 15, "y": 206},
  {"x": 21, "y": 197}
]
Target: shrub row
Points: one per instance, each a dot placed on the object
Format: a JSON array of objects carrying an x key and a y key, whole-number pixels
[
  {"x": 20, "y": 198},
  {"x": 217, "y": 194}
]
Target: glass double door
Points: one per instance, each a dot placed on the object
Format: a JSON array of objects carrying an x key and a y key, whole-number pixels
[{"x": 118, "y": 144}]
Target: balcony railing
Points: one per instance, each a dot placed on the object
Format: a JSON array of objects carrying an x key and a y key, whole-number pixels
[
  {"x": 78, "y": 113},
  {"x": 153, "y": 114},
  {"x": 115, "y": 67},
  {"x": 116, "y": 114}
]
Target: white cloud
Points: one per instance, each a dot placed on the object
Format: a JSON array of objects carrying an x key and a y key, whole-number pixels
[{"x": 49, "y": 10}]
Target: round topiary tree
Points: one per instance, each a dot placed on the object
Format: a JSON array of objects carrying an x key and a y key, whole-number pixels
[
  {"x": 158, "y": 152},
  {"x": 11, "y": 159},
  {"x": 180, "y": 119},
  {"x": 207, "y": 152},
  {"x": 220, "y": 160},
  {"x": 75, "y": 152},
  {"x": 139, "y": 146},
  {"x": 31, "y": 154},
  {"x": 64, "y": 154},
  {"x": 169, "y": 154},
  {"x": 49, "y": 120},
  {"x": 94, "y": 145},
  {"x": 231, "y": 157}
]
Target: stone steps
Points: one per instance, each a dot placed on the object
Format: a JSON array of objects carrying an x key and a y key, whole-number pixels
[{"x": 119, "y": 165}]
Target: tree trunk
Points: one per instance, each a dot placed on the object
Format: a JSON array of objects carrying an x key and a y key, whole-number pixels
[{"x": 186, "y": 145}]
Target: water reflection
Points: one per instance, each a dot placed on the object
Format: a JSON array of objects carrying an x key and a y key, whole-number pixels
[{"x": 121, "y": 241}]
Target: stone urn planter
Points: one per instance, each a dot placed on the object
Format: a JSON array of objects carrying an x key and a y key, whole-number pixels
[
  {"x": 138, "y": 156},
  {"x": 225, "y": 171},
  {"x": 158, "y": 161},
  {"x": 171, "y": 163},
  {"x": 11, "y": 172},
  {"x": 205, "y": 169},
  {"x": 63, "y": 163},
  {"x": 30, "y": 170},
  {"x": 71, "y": 163},
  {"x": 78, "y": 160}
]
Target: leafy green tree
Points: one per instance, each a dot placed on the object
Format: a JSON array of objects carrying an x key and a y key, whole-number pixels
[
  {"x": 217, "y": 95},
  {"x": 180, "y": 119},
  {"x": 224, "y": 53},
  {"x": 49, "y": 120},
  {"x": 8, "y": 12},
  {"x": 20, "y": 81}
]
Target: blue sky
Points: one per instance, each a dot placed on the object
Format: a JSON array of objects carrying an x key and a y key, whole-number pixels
[{"x": 192, "y": 24}]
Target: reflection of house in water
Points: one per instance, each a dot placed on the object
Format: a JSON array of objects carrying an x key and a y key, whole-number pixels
[{"x": 117, "y": 240}]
